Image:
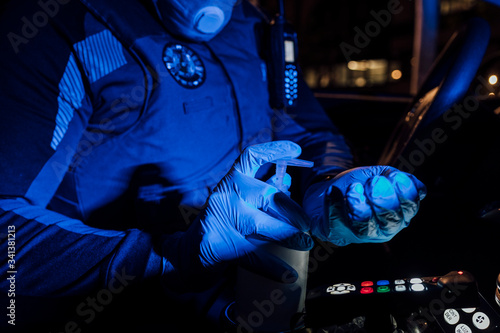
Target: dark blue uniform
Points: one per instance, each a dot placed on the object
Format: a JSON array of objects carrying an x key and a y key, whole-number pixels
[{"x": 112, "y": 132}]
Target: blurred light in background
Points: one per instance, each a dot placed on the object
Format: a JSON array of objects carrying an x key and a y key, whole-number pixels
[
  {"x": 354, "y": 74},
  {"x": 455, "y": 6},
  {"x": 396, "y": 74},
  {"x": 493, "y": 79}
]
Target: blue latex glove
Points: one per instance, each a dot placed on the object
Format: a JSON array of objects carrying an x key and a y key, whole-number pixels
[
  {"x": 239, "y": 209},
  {"x": 363, "y": 205}
]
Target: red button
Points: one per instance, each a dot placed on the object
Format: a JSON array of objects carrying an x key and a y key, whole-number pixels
[
  {"x": 435, "y": 279},
  {"x": 366, "y": 284},
  {"x": 366, "y": 290}
]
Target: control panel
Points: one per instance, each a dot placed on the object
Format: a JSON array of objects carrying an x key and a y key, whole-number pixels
[
  {"x": 469, "y": 320},
  {"x": 337, "y": 302}
]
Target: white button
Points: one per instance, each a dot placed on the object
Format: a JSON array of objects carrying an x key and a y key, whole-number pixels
[
  {"x": 340, "y": 292},
  {"x": 340, "y": 288},
  {"x": 462, "y": 328},
  {"x": 481, "y": 320},
  {"x": 451, "y": 316},
  {"x": 351, "y": 287},
  {"x": 329, "y": 289},
  {"x": 416, "y": 280},
  {"x": 400, "y": 288},
  {"x": 417, "y": 287},
  {"x": 468, "y": 310},
  {"x": 399, "y": 281}
]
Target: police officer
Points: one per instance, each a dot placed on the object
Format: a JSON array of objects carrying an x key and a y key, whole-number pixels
[{"x": 135, "y": 141}]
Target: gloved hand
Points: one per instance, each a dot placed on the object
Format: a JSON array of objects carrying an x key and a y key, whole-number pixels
[
  {"x": 363, "y": 205},
  {"x": 239, "y": 209}
]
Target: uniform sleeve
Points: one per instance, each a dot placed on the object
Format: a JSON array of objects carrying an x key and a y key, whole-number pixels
[
  {"x": 44, "y": 108},
  {"x": 321, "y": 142}
]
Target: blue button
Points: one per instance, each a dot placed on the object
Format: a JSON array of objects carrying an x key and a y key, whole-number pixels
[{"x": 383, "y": 283}]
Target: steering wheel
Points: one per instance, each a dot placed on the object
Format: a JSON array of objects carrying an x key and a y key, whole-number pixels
[{"x": 446, "y": 84}]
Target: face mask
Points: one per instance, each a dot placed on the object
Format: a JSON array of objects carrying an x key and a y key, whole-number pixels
[{"x": 196, "y": 20}]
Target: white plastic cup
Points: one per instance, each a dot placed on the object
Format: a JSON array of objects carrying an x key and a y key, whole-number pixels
[{"x": 266, "y": 306}]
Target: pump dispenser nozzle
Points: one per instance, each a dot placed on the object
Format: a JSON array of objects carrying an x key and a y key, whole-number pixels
[{"x": 281, "y": 170}]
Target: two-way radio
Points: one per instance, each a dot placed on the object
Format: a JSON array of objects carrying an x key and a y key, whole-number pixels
[{"x": 283, "y": 68}]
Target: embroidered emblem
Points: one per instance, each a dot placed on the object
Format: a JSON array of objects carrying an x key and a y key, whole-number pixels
[{"x": 184, "y": 65}]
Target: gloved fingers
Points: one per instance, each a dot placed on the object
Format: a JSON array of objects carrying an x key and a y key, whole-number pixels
[
  {"x": 359, "y": 209},
  {"x": 263, "y": 263},
  {"x": 286, "y": 182},
  {"x": 360, "y": 212},
  {"x": 283, "y": 208},
  {"x": 381, "y": 193},
  {"x": 253, "y": 157},
  {"x": 405, "y": 188},
  {"x": 253, "y": 191},
  {"x": 342, "y": 230},
  {"x": 385, "y": 203},
  {"x": 409, "y": 190},
  {"x": 369, "y": 204},
  {"x": 254, "y": 223},
  {"x": 407, "y": 183}
]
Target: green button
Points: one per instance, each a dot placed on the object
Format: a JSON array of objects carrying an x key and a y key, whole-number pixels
[{"x": 383, "y": 289}]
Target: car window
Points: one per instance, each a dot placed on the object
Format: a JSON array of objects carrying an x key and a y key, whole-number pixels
[{"x": 368, "y": 46}]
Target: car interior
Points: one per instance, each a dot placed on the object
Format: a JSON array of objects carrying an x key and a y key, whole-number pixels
[{"x": 416, "y": 89}]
